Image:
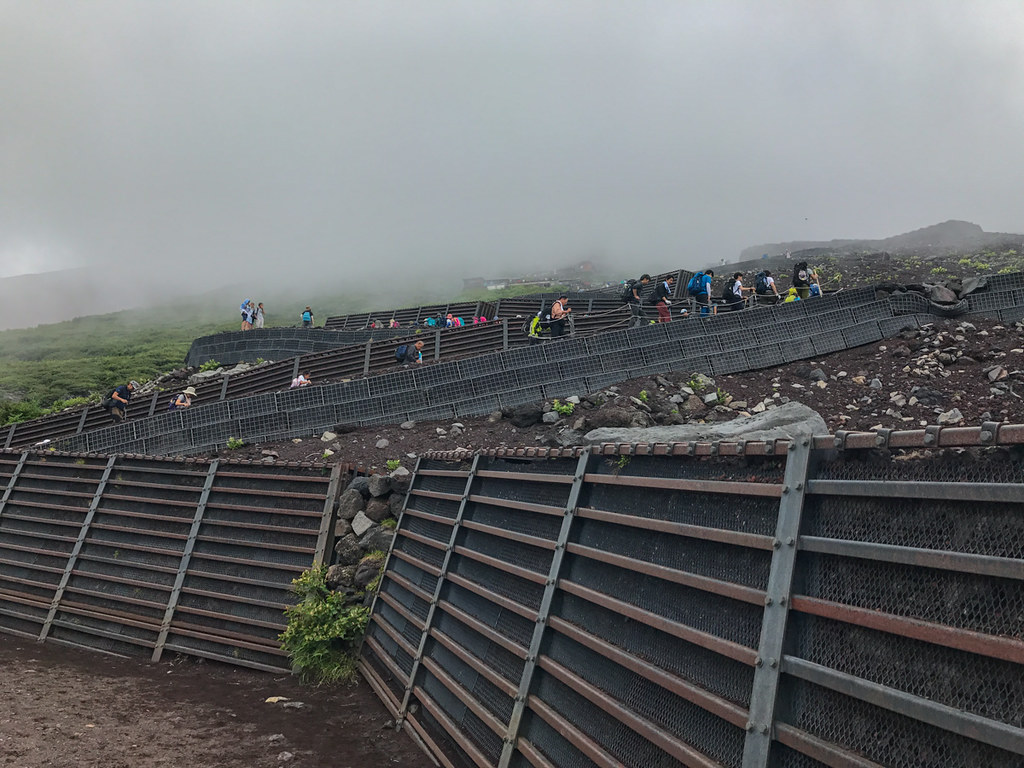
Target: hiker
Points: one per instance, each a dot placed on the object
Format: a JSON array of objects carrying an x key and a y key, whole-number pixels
[
  {"x": 307, "y": 318},
  {"x": 764, "y": 287},
  {"x": 700, "y": 288},
  {"x": 301, "y": 381},
  {"x": 257, "y": 320},
  {"x": 632, "y": 295},
  {"x": 183, "y": 400},
  {"x": 247, "y": 312},
  {"x": 663, "y": 299},
  {"x": 393, "y": 323},
  {"x": 560, "y": 310},
  {"x": 803, "y": 276},
  {"x": 117, "y": 401},
  {"x": 791, "y": 296},
  {"x": 733, "y": 293},
  {"x": 409, "y": 353}
]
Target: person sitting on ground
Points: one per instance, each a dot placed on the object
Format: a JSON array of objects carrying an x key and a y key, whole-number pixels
[
  {"x": 117, "y": 401},
  {"x": 560, "y": 310},
  {"x": 307, "y": 318},
  {"x": 663, "y": 299},
  {"x": 301, "y": 381},
  {"x": 632, "y": 295},
  {"x": 733, "y": 293},
  {"x": 803, "y": 276},
  {"x": 413, "y": 353},
  {"x": 765, "y": 288},
  {"x": 183, "y": 400}
]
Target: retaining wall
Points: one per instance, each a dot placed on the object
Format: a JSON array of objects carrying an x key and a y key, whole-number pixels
[
  {"x": 775, "y": 604},
  {"x": 138, "y": 556}
]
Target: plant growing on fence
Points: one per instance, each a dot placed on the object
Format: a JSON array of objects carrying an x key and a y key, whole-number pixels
[{"x": 322, "y": 631}]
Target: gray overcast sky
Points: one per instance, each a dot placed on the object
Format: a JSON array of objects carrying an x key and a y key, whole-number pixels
[{"x": 480, "y": 136}]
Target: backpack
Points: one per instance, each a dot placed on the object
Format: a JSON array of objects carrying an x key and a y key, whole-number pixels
[
  {"x": 307, "y": 317},
  {"x": 696, "y": 284},
  {"x": 173, "y": 405},
  {"x": 627, "y": 291},
  {"x": 761, "y": 282},
  {"x": 108, "y": 401},
  {"x": 400, "y": 352}
]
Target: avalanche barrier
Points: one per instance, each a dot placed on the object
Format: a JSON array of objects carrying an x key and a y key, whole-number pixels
[
  {"x": 792, "y": 604},
  {"x": 134, "y": 556}
]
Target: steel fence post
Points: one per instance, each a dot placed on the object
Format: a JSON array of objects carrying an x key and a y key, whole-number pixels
[
  {"x": 428, "y": 622},
  {"x": 509, "y": 746},
  {"x": 73, "y": 555},
  {"x": 81, "y": 421},
  {"x": 10, "y": 436},
  {"x": 767, "y": 666},
  {"x": 186, "y": 559},
  {"x": 295, "y": 366},
  {"x": 224, "y": 388},
  {"x": 366, "y": 357},
  {"x": 325, "y": 538},
  {"x": 504, "y": 335},
  {"x": 13, "y": 481},
  {"x": 437, "y": 344}
]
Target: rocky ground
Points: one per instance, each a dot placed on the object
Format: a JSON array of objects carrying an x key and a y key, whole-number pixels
[{"x": 950, "y": 372}]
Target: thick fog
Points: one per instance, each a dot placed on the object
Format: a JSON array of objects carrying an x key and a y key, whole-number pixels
[{"x": 224, "y": 142}]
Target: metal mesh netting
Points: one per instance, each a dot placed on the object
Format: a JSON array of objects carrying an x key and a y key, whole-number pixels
[
  {"x": 501, "y": 583},
  {"x": 782, "y": 756},
  {"x": 718, "y": 674},
  {"x": 968, "y": 601},
  {"x": 618, "y": 740},
  {"x": 391, "y": 648},
  {"x": 369, "y": 655},
  {"x": 886, "y": 737},
  {"x": 749, "y": 514},
  {"x": 509, "y": 550},
  {"x": 705, "y": 558},
  {"x": 550, "y": 494},
  {"x": 529, "y": 523},
  {"x": 505, "y": 622},
  {"x": 427, "y": 528},
  {"x": 452, "y": 752},
  {"x": 690, "y": 723},
  {"x": 483, "y": 690},
  {"x": 417, "y": 549},
  {"x": 716, "y": 615},
  {"x": 947, "y": 524},
  {"x": 558, "y": 466},
  {"x": 486, "y": 740},
  {"x": 554, "y": 744},
  {"x": 494, "y": 656},
  {"x": 965, "y": 467},
  {"x": 425, "y": 581},
  {"x": 413, "y": 603},
  {"x": 443, "y": 507},
  {"x": 987, "y": 687},
  {"x": 740, "y": 469},
  {"x": 407, "y": 629}
]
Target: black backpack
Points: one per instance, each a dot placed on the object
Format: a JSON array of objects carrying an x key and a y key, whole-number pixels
[
  {"x": 400, "y": 352},
  {"x": 761, "y": 282},
  {"x": 627, "y": 291}
]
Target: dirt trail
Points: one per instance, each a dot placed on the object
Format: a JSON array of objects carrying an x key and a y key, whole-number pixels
[{"x": 60, "y": 707}]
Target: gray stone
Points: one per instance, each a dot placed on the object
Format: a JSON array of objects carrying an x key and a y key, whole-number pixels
[
  {"x": 407, "y": 425},
  {"x": 270, "y": 453},
  {"x": 574, "y": 399},
  {"x": 361, "y": 484},
  {"x": 526, "y": 416},
  {"x": 613, "y": 416},
  {"x": 376, "y": 539},
  {"x": 379, "y": 485},
  {"x": 569, "y": 437},
  {"x": 818, "y": 375},
  {"x": 551, "y": 417},
  {"x": 361, "y": 524},
  {"x": 342, "y": 528},
  {"x": 941, "y": 294},
  {"x": 328, "y": 436},
  {"x": 399, "y": 471},
  {"x": 340, "y": 576},
  {"x": 347, "y": 550},
  {"x": 494, "y": 417},
  {"x": 395, "y": 504},
  {"x": 789, "y": 420},
  {"x": 580, "y": 424},
  {"x": 378, "y": 509},
  {"x": 349, "y": 503},
  {"x": 400, "y": 484},
  {"x": 952, "y": 416},
  {"x": 694, "y": 404},
  {"x": 710, "y": 398},
  {"x": 875, "y": 384},
  {"x": 383, "y": 443},
  {"x": 367, "y": 571}
]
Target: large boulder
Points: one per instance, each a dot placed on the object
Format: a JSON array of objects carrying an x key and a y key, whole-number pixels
[
  {"x": 379, "y": 485},
  {"x": 395, "y": 503},
  {"x": 616, "y": 416},
  {"x": 790, "y": 420},
  {"x": 367, "y": 571},
  {"x": 340, "y": 576},
  {"x": 350, "y": 503},
  {"x": 526, "y": 416},
  {"x": 361, "y": 484},
  {"x": 378, "y": 509},
  {"x": 347, "y": 550},
  {"x": 361, "y": 524},
  {"x": 377, "y": 539}
]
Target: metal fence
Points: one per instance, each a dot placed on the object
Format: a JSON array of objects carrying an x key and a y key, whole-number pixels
[
  {"x": 139, "y": 557},
  {"x": 781, "y": 604}
]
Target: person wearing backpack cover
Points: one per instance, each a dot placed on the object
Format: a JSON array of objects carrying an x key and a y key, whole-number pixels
[
  {"x": 117, "y": 401},
  {"x": 663, "y": 299},
  {"x": 803, "y": 276},
  {"x": 700, "y": 288},
  {"x": 631, "y": 295},
  {"x": 765, "y": 288},
  {"x": 307, "y": 318},
  {"x": 409, "y": 353},
  {"x": 183, "y": 400}
]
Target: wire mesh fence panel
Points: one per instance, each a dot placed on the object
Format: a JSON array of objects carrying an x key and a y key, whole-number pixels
[
  {"x": 764, "y": 355},
  {"x": 862, "y": 333},
  {"x": 856, "y": 297},
  {"x": 728, "y": 362},
  {"x": 482, "y": 364},
  {"x": 477, "y": 406},
  {"x": 797, "y": 349},
  {"x": 892, "y": 326},
  {"x": 1005, "y": 282},
  {"x": 829, "y": 341},
  {"x": 346, "y": 392}
]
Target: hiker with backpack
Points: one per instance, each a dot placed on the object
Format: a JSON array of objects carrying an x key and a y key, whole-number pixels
[
  {"x": 307, "y": 318},
  {"x": 803, "y": 276},
  {"x": 733, "y": 293},
  {"x": 560, "y": 310},
  {"x": 663, "y": 299},
  {"x": 117, "y": 401},
  {"x": 301, "y": 381},
  {"x": 632, "y": 295},
  {"x": 183, "y": 400},
  {"x": 409, "y": 353},
  {"x": 765, "y": 288},
  {"x": 247, "y": 310},
  {"x": 700, "y": 288}
]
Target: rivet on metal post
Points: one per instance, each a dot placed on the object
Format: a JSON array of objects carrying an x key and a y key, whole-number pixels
[
  {"x": 751, "y": 726},
  {"x": 764, "y": 729},
  {"x": 799, "y": 486},
  {"x": 785, "y": 489},
  {"x": 773, "y": 663},
  {"x": 776, "y": 543},
  {"x": 758, "y": 661},
  {"x": 769, "y": 601},
  {"x": 790, "y": 542},
  {"x": 782, "y": 600}
]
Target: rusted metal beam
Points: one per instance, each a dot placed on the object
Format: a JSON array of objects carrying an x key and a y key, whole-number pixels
[
  {"x": 818, "y": 749},
  {"x": 721, "y": 535},
  {"x": 479, "y": 627},
  {"x": 911, "y": 489},
  {"x": 767, "y": 490},
  {"x": 501, "y": 565},
  {"x": 542, "y": 509},
  {"x": 504, "y": 533},
  {"x": 573, "y": 735}
]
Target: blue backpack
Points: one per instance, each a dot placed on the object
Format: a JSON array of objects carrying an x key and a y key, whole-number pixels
[
  {"x": 696, "y": 284},
  {"x": 400, "y": 352}
]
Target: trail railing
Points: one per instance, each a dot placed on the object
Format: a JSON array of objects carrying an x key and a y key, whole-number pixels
[{"x": 787, "y": 604}]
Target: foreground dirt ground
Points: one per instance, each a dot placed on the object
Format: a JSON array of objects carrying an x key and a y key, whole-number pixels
[{"x": 61, "y": 707}]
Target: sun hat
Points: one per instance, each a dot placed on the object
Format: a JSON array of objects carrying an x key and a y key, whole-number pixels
[{"x": 190, "y": 391}]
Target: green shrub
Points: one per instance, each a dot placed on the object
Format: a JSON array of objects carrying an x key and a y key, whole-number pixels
[
  {"x": 563, "y": 409},
  {"x": 643, "y": 396},
  {"x": 389, "y": 523},
  {"x": 209, "y": 365},
  {"x": 393, "y": 464},
  {"x": 234, "y": 443},
  {"x": 322, "y": 631}
]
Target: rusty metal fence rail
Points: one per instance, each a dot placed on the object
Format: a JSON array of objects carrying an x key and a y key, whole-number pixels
[
  {"x": 139, "y": 557},
  {"x": 779, "y": 604}
]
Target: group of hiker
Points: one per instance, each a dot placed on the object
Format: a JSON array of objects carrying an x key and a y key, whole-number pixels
[
  {"x": 116, "y": 401},
  {"x": 438, "y": 321},
  {"x": 735, "y": 295}
]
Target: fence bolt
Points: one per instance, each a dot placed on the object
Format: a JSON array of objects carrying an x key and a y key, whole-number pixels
[
  {"x": 790, "y": 542},
  {"x": 769, "y": 601},
  {"x": 758, "y": 661},
  {"x": 785, "y": 489},
  {"x": 806, "y": 441},
  {"x": 773, "y": 663},
  {"x": 764, "y": 729},
  {"x": 750, "y": 726},
  {"x": 798, "y": 486},
  {"x": 549, "y": 582},
  {"x": 776, "y": 543},
  {"x": 792, "y": 446},
  {"x": 531, "y": 658},
  {"x": 782, "y": 600}
]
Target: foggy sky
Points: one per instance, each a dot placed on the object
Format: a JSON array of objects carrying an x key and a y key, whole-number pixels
[{"x": 475, "y": 137}]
